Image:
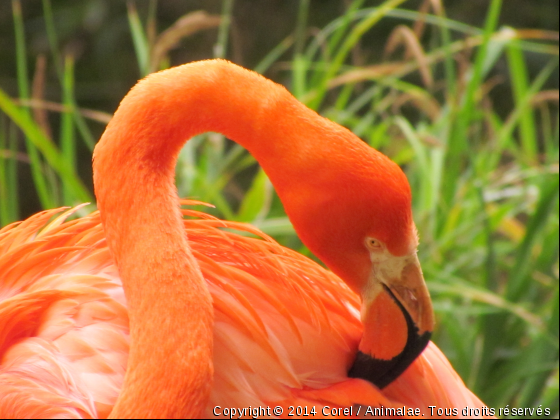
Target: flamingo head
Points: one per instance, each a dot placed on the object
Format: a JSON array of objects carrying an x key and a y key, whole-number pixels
[{"x": 356, "y": 217}]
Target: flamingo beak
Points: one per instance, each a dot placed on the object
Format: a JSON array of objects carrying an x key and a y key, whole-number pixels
[
  {"x": 398, "y": 320},
  {"x": 411, "y": 292}
]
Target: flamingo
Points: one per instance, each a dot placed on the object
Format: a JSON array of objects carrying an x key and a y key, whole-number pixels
[{"x": 146, "y": 309}]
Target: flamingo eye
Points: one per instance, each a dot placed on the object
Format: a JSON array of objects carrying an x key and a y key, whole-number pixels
[{"x": 373, "y": 244}]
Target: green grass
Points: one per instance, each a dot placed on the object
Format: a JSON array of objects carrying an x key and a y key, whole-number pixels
[{"x": 485, "y": 184}]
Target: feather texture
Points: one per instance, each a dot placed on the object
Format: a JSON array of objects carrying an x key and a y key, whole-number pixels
[{"x": 286, "y": 330}]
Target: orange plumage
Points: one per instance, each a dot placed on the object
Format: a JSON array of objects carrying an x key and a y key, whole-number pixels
[
  {"x": 212, "y": 318},
  {"x": 284, "y": 326}
]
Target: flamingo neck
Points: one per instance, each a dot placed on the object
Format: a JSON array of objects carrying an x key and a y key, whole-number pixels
[{"x": 171, "y": 316}]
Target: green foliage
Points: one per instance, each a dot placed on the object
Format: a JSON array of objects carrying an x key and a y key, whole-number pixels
[{"x": 485, "y": 182}]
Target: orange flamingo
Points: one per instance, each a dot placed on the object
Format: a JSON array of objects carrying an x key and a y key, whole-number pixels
[{"x": 137, "y": 311}]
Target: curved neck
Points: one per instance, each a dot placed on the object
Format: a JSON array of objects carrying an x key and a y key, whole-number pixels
[{"x": 171, "y": 316}]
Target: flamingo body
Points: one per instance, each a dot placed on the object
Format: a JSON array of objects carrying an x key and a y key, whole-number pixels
[
  {"x": 286, "y": 330},
  {"x": 137, "y": 312}
]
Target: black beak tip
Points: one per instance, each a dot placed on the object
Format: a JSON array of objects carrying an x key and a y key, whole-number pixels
[{"x": 382, "y": 372}]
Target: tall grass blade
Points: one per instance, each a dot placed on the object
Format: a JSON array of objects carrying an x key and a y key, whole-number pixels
[
  {"x": 349, "y": 42},
  {"x": 505, "y": 135},
  {"x": 519, "y": 79},
  {"x": 220, "y": 49},
  {"x": 43, "y": 190},
  {"x": 34, "y": 134},
  {"x": 299, "y": 63},
  {"x": 257, "y": 200},
  {"x": 274, "y": 54},
  {"x": 67, "y": 138},
  {"x": 516, "y": 286},
  {"x": 458, "y": 140},
  {"x": 53, "y": 38},
  {"x": 9, "y": 198},
  {"x": 139, "y": 40}
]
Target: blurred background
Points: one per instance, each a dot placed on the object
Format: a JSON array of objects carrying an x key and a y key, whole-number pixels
[{"x": 462, "y": 94}]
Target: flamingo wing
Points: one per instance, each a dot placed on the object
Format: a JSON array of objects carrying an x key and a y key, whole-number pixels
[
  {"x": 286, "y": 330},
  {"x": 63, "y": 320}
]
